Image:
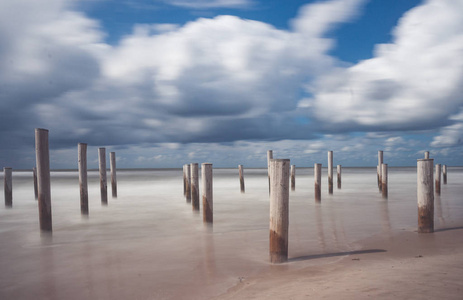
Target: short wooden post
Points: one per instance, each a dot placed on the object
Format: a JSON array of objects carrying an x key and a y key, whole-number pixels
[
  {"x": 438, "y": 176},
  {"x": 426, "y": 155},
  {"x": 42, "y": 154},
  {"x": 194, "y": 187},
  {"x": 34, "y": 175},
  {"x": 425, "y": 195},
  {"x": 293, "y": 177},
  {"x": 279, "y": 209},
  {"x": 188, "y": 183},
  {"x": 240, "y": 170},
  {"x": 184, "y": 179},
  {"x": 206, "y": 177},
  {"x": 317, "y": 172},
  {"x": 8, "y": 186},
  {"x": 112, "y": 164},
  {"x": 83, "y": 184},
  {"x": 378, "y": 168},
  {"x": 444, "y": 173},
  {"x": 269, "y": 157},
  {"x": 330, "y": 172},
  {"x": 384, "y": 180},
  {"x": 103, "y": 181},
  {"x": 338, "y": 168}
]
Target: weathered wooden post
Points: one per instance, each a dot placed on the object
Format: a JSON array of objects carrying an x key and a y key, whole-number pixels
[
  {"x": 42, "y": 154},
  {"x": 83, "y": 185},
  {"x": 378, "y": 168},
  {"x": 426, "y": 155},
  {"x": 425, "y": 195},
  {"x": 112, "y": 164},
  {"x": 438, "y": 176},
  {"x": 188, "y": 183},
  {"x": 8, "y": 186},
  {"x": 330, "y": 172},
  {"x": 279, "y": 209},
  {"x": 103, "y": 181},
  {"x": 444, "y": 173},
  {"x": 206, "y": 176},
  {"x": 293, "y": 177},
  {"x": 384, "y": 180},
  {"x": 194, "y": 187},
  {"x": 317, "y": 172},
  {"x": 34, "y": 175},
  {"x": 269, "y": 157},
  {"x": 240, "y": 170},
  {"x": 338, "y": 167},
  {"x": 184, "y": 179}
]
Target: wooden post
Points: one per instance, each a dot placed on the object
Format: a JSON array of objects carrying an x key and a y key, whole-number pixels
[
  {"x": 444, "y": 173},
  {"x": 293, "y": 177},
  {"x": 34, "y": 175},
  {"x": 240, "y": 170},
  {"x": 269, "y": 157},
  {"x": 425, "y": 195},
  {"x": 384, "y": 180},
  {"x": 206, "y": 177},
  {"x": 8, "y": 186},
  {"x": 112, "y": 164},
  {"x": 317, "y": 172},
  {"x": 103, "y": 181},
  {"x": 279, "y": 209},
  {"x": 330, "y": 172},
  {"x": 184, "y": 179},
  {"x": 438, "y": 176},
  {"x": 194, "y": 187},
  {"x": 426, "y": 155},
  {"x": 378, "y": 168},
  {"x": 339, "y": 175},
  {"x": 82, "y": 161},
  {"x": 42, "y": 154},
  {"x": 188, "y": 183}
]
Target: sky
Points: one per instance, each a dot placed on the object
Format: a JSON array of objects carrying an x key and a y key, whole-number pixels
[{"x": 167, "y": 82}]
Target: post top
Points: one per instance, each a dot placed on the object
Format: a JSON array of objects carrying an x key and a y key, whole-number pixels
[
  {"x": 206, "y": 164},
  {"x": 7, "y": 168},
  {"x": 82, "y": 144},
  {"x": 425, "y": 159},
  {"x": 280, "y": 159},
  {"x": 41, "y": 129}
]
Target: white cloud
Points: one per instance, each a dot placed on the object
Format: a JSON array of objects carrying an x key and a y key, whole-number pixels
[
  {"x": 450, "y": 136},
  {"x": 207, "y": 4}
]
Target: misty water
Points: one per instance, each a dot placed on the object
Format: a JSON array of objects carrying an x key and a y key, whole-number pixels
[{"x": 149, "y": 244}]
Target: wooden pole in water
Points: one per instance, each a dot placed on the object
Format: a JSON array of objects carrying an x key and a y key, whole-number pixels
[
  {"x": 444, "y": 173},
  {"x": 103, "y": 181},
  {"x": 206, "y": 176},
  {"x": 194, "y": 187},
  {"x": 384, "y": 180},
  {"x": 184, "y": 180},
  {"x": 240, "y": 170},
  {"x": 330, "y": 172},
  {"x": 112, "y": 163},
  {"x": 425, "y": 195},
  {"x": 269, "y": 157},
  {"x": 426, "y": 155},
  {"x": 338, "y": 167},
  {"x": 83, "y": 184},
  {"x": 188, "y": 183},
  {"x": 34, "y": 175},
  {"x": 317, "y": 170},
  {"x": 8, "y": 186},
  {"x": 279, "y": 210},
  {"x": 378, "y": 168},
  {"x": 293, "y": 177},
  {"x": 43, "y": 178},
  {"x": 438, "y": 176}
]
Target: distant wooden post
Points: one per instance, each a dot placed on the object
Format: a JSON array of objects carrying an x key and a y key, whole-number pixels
[
  {"x": 34, "y": 175},
  {"x": 339, "y": 175},
  {"x": 317, "y": 170},
  {"x": 269, "y": 157},
  {"x": 425, "y": 195},
  {"x": 330, "y": 172},
  {"x": 184, "y": 179},
  {"x": 444, "y": 173},
  {"x": 384, "y": 180},
  {"x": 206, "y": 177},
  {"x": 43, "y": 178},
  {"x": 103, "y": 181},
  {"x": 438, "y": 176},
  {"x": 8, "y": 186},
  {"x": 426, "y": 155},
  {"x": 240, "y": 170},
  {"x": 279, "y": 209},
  {"x": 378, "y": 168},
  {"x": 83, "y": 185},
  {"x": 293, "y": 177},
  {"x": 188, "y": 183},
  {"x": 112, "y": 163},
  {"x": 194, "y": 187}
]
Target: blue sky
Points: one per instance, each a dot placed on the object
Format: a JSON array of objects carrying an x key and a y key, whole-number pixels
[{"x": 167, "y": 82}]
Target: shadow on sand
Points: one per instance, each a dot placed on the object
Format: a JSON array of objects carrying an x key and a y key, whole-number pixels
[
  {"x": 315, "y": 256},
  {"x": 447, "y": 229}
]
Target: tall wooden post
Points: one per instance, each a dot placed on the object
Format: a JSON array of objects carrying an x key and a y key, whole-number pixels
[
  {"x": 206, "y": 177},
  {"x": 330, "y": 172},
  {"x": 338, "y": 168},
  {"x": 444, "y": 173},
  {"x": 112, "y": 164},
  {"x": 240, "y": 171},
  {"x": 42, "y": 154},
  {"x": 103, "y": 181},
  {"x": 293, "y": 177},
  {"x": 269, "y": 157},
  {"x": 188, "y": 183},
  {"x": 317, "y": 170},
  {"x": 426, "y": 155},
  {"x": 184, "y": 180},
  {"x": 384, "y": 180},
  {"x": 194, "y": 187},
  {"x": 425, "y": 195},
  {"x": 83, "y": 185},
  {"x": 378, "y": 168},
  {"x": 8, "y": 186},
  {"x": 438, "y": 176},
  {"x": 279, "y": 209},
  {"x": 34, "y": 175}
]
